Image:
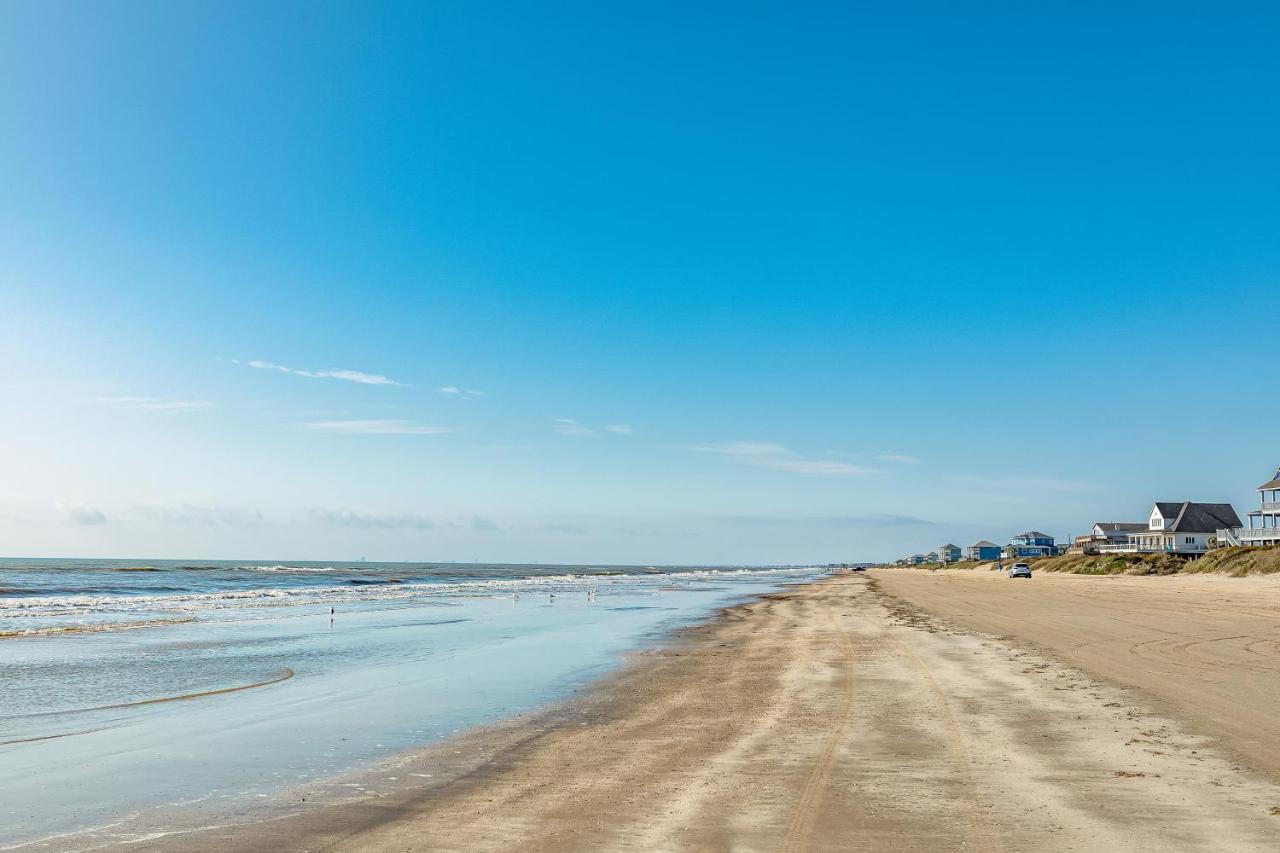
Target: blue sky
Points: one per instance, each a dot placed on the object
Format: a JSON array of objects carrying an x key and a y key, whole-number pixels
[{"x": 791, "y": 282}]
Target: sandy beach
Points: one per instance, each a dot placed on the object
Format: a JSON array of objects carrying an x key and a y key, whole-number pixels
[{"x": 839, "y": 716}]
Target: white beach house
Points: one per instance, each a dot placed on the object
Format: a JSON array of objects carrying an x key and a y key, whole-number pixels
[
  {"x": 1178, "y": 528},
  {"x": 1264, "y": 522}
]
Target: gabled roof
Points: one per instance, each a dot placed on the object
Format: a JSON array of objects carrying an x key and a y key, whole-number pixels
[
  {"x": 1191, "y": 517},
  {"x": 1033, "y": 534},
  {"x": 1274, "y": 484},
  {"x": 949, "y": 547},
  {"x": 983, "y": 543},
  {"x": 1120, "y": 526}
]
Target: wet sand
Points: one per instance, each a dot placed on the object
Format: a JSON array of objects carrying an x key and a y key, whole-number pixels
[{"x": 831, "y": 717}]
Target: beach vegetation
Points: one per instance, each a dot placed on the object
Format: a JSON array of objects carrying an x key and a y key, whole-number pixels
[{"x": 1236, "y": 562}]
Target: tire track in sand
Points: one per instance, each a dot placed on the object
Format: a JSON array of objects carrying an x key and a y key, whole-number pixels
[
  {"x": 979, "y": 832},
  {"x": 806, "y": 812}
]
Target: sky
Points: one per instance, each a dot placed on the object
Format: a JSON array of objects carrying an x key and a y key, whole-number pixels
[{"x": 629, "y": 283}]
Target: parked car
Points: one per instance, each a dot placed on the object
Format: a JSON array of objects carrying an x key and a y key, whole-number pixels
[
  {"x": 859, "y": 568},
  {"x": 1020, "y": 570}
]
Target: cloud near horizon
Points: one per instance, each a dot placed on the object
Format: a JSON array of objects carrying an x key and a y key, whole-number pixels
[
  {"x": 81, "y": 515},
  {"x": 209, "y": 516},
  {"x": 764, "y": 454},
  {"x": 356, "y": 376},
  {"x": 390, "y": 426},
  {"x": 370, "y": 521},
  {"x": 835, "y": 521},
  {"x": 1042, "y": 484}
]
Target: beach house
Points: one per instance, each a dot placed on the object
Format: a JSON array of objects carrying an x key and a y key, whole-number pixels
[
  {"x": 1106, "y": 533},
  {"x": 949, "y": 554},
  {"x": 916, "y": 559},
  {"x": 931, "y": 557},
  {"x": 1182, "y": 527},
  {"x": 982, "y": 550},
  {"x": 1264, "y": 522},
  {"x": 1033, "y": 543}
]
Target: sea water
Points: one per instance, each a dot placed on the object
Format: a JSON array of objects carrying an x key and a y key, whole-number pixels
[{"x": 130, "y": 689}]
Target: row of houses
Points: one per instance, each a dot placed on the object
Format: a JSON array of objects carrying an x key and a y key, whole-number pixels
[
  {"x": 1186, "y": 528},
  {"x": 1189, "y": 528},
  {"x": 1033, "y": 543}
]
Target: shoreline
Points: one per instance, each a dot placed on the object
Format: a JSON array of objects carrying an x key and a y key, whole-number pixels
[
  {"x": 383, "y": 679},
  {"x": 806, "y": 719}
]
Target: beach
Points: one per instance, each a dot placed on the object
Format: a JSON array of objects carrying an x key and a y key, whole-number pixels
[{"x": 839, "y": 715}]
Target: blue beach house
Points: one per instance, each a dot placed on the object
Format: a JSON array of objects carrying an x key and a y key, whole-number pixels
[
  {"x": 1033, "y": 543},
  {"x": 983, "y": 550}
]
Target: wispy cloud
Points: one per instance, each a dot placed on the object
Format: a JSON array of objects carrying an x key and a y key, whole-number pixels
[
  {"x": 370, "y": 521},
  {"x": 872, "y": 520},
  {"x": 392, "y": 426},
  {"x": 889, "y": 456},
  {"x": 227, "y": 516},
  {"x": 455, "y": 391},
  {"x": 81, "y": 515},
  {"x": 1029, "y": 484},
  {"x": 567, "y": 529},
  {"x": 483, "y": 524},
  {"x": 762, "y": 454},
  {"x": 156, "y": 404},
  {"x": 568, "y": 426},
  {"x": 333, "y": 373}
]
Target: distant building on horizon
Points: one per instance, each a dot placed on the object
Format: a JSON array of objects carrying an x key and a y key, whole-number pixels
[
  {"x": 949, "y": 554},
  {"x": 982, "y": 550},
  {"x": 931, "y": 557}
]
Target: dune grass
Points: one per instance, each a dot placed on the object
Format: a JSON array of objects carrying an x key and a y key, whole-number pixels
[{"x": 1236, "y": 562}]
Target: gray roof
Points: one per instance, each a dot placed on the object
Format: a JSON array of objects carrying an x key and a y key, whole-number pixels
[
  {"x": 949, "y": 547},
  {"x": 1191, "y": 517},
  {"x": 1033, "y": 534},
  {"x": 983, "y": 543},
  {"x": 1119, "y": 526}
]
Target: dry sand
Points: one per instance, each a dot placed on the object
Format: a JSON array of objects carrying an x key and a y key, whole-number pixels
[{"x": 834, "y": 717}]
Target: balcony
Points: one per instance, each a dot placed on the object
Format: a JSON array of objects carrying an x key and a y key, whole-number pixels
[
  {"x": 1258, "y": 536},
  {"x": 1119, "y": 548},
  {"x": 1271, "y": 506},
  {"x": 1174, "y": 547}
]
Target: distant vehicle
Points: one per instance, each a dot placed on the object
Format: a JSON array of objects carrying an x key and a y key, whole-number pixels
[
  {"x": 1020, "y": 570},
  {"x": 859, "y": 568}
]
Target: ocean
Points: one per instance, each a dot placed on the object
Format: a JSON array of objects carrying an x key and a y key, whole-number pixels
[{"x": 139, "y": 694}]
